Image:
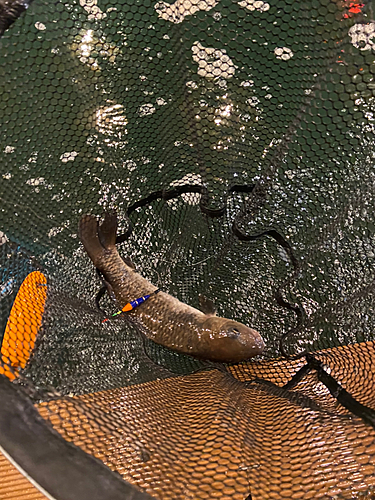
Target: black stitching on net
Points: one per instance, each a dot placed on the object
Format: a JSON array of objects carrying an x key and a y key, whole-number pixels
[
  {"x": 341, "y": 394},
  {"x": 336, "y": 390}
]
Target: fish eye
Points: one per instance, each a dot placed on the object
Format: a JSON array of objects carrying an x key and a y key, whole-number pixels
[{"x": 233, "y": 333}]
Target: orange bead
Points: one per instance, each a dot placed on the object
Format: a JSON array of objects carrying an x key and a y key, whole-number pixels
[{"x": 127, "y": 308}]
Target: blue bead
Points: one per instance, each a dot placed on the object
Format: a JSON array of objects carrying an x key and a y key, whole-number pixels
[{"x": 139, "y": 301}]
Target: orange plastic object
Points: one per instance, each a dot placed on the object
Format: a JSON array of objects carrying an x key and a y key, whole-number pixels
[
  {"x": 23, "y": 324},
  {"x": 127, "y": 308}
]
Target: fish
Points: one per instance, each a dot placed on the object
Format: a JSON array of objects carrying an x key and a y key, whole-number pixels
[{"x": 163, "y": 318}]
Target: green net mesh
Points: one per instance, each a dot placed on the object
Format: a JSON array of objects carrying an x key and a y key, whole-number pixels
[{"x": 237, "y": 139}]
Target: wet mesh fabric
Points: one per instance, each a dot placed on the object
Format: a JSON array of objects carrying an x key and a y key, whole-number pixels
[{"x": 234, "y": 139}]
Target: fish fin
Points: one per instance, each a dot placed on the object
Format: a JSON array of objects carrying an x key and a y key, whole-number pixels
[
  {"x": 129, "y": 263},
  {"x": 88, "y": 234},
  {"x": 110, "y": 291},
  {"x": 207, "y": 306},
  {"x": 107, "y": 230}
]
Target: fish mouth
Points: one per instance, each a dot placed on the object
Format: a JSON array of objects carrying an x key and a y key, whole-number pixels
[{"x": 254, "y": 342}]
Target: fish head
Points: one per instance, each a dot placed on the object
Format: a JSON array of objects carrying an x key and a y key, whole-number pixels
[{"x": 229, "y": 341}]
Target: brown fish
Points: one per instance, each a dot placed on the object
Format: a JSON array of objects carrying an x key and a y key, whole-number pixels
[{"x": 163, "y": 318}]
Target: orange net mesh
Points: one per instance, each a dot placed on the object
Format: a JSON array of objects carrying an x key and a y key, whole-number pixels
[
  {"x": 207, "y": 435},
  {"x": 14, "y": 486}
]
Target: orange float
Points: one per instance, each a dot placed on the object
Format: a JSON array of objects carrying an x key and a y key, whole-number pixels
[{"x": 23, "y": 324}]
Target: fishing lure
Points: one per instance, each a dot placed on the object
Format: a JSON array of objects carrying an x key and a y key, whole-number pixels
[{"x": 133, "y": 304}]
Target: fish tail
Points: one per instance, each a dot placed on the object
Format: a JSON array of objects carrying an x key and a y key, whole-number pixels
[
  {"x": 97, "y": 239},
  {"x": 107, "y": 230}
]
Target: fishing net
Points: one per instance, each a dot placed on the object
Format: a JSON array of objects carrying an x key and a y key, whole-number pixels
[{"x": 234, "y": 139}]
